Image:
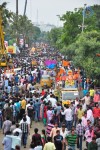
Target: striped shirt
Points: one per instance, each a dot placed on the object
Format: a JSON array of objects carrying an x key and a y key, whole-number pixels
[
  {"x": 80, "y": 129},
  {"x": 49, "y": 128},
  {"x": 71, "y": 139},
  {"x": 24, "y": 127}
]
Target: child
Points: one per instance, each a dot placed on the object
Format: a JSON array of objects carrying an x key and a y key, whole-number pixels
[{"x": 43, "y": 137}]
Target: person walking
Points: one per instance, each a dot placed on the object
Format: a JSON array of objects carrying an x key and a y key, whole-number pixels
[
  {"x": 49, "y": 127},
  {"x": 53, "y": 131},
  {"x": 71, "y": 140},
  {"x": 68, "y": 117},
  {"x": 7, "y": 142},
  {"x": 23, "y": 107},
  {"x": 58, "y": 141},
  {"x": 30, "y": 111},
  {"x": 6, "y": 125},
  {"x": 93, "y": 145},
  {"x": 80, "y": 133},
  {"x": 64, "y": 132},
  {"x": 36, "y": 137},
  {"x": 25, "y": 132},
  {"x": 49, "y": 145}
]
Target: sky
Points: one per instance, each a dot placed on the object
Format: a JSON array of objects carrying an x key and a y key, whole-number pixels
[{"x": 46, "y": 11}]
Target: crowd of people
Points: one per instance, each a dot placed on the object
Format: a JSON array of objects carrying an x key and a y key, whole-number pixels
[{"x": 65, "y": 126}]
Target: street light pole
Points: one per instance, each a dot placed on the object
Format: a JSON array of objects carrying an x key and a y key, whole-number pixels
[
  {"x": 16, "y": 7},
  {"x": 17, "y": 22},
  {"x": 83, "y": 25},
  {"x": 25, "y": 7}
]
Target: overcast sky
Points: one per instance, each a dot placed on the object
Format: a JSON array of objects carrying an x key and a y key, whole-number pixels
[{"x": 47, "y": 9}]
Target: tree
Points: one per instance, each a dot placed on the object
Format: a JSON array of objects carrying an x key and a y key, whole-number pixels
[
  {"x": 70, "y": 29},
  {"x": 5, "y": 13},
  {"x": 85, "y": 48},
  {"x": 73, "y": 19},
  {"x": 25, "y": 29},
  {"x": 54, "y": 36}
]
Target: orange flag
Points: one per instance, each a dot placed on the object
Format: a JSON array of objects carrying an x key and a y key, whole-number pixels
[{"x": 65, "y": 63}]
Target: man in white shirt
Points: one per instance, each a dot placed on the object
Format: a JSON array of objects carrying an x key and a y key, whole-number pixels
[
  {"x": 68, "y": 117},
  {"x": 84, "y": 120},
  {"x": 87, "y": 99},
  {"x": 28, "y": 120},
  {"x": 90, "y": 115},
  {"x": 53, "y": 101},
  {"x": 17, "y": 130},
  {"x": 76, "y": 101},
  {"x": 64, "y": 132},
  {"x": 27, "y": 105}
]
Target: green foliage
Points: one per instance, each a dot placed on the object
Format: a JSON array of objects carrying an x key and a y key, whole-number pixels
[
  {"x": 85, "y": 49},
  {"x": 54, "y": 36},
  {"x": 22, "y": 26},
  {"x": 70, "y": 29},
  {"x": 5, "y": 13}
]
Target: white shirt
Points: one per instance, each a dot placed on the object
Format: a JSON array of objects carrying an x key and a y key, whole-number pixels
[
  {"x": 89, "y": 114},
  {"x": 84, "y": 107},
  {"x": 76, "y": 103},
  {"x": 27, "y": 106},
  {"x": 28, "y": 121},
  {"x": 53, "y": 101},
  {"x": 64, "y": 134},
  {"x": 68, "y": 114},
  {"x": 84, "y": 121},
  {"x": 19, "y": 131},
  {"x": 38, "y": 148}
]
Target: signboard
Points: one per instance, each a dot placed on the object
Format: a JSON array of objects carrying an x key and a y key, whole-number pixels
[{"x": 11, "y": 49}]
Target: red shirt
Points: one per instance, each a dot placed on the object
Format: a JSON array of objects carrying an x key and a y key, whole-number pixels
[
  {"x": 45, "y": 114},
  {"x": 96, "y": 112},
  {"x": 43, "y": 93},
  {"x": 96, "y": 98}
]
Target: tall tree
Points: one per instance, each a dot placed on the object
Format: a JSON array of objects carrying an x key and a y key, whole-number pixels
[{"x": 85, "y": 49}]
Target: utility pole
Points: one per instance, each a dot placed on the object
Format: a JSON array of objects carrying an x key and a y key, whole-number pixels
[
  {"x": 83, "y": 26},
  {"x": 25, "y": 7},
  {"x": 16, "y": 7},
  {"x": 17, "y": 41},
  {"x": 37, "y": 17}
]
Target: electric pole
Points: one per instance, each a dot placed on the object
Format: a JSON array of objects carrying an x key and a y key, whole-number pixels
[
  {"x": 16, "y": 7},
  {"x": 83, "y": 26},
  {"x": 25, "y": 7},
  {"x": 17, "y": 22}
]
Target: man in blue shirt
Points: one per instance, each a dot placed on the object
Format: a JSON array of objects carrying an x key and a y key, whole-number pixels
[{"x": 7, "y": 142}]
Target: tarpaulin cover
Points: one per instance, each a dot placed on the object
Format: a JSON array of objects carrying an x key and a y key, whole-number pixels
[
  {"x": 49, "y": 62},
  {"x": 51, "y": 66}
]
